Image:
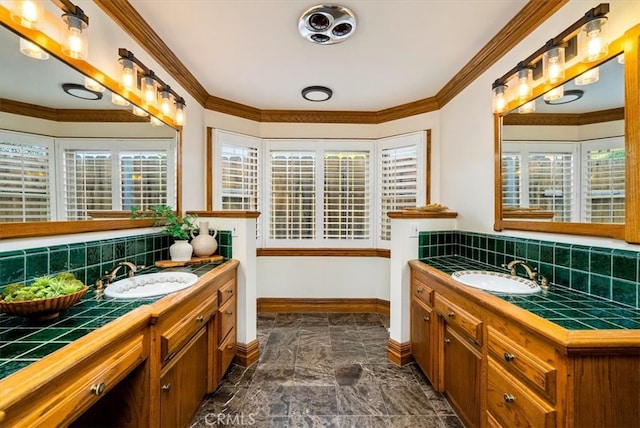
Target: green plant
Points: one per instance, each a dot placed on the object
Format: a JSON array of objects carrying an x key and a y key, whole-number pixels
[{"x": 174, "y": 225}]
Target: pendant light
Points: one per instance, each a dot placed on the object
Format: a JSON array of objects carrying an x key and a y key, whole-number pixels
[
  {"x": 75, "y": 42},
  {"x": 592, "y": 40},
  {"x": 553, "y": 64},
  {"x": 524, "y": 86},
  {"x": 499, "y": 100}
]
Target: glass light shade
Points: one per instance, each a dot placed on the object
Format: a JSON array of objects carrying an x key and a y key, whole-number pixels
[
  {"x": 32, "y": 50},
  {"x": 127, "y": 75},
  {"x": 510, "y": 92},
  {"x": 27, "y": 12},
  {"x": 92, "y": 85},
  {"x": 166, "y": 104},
  {"x": 553, "y": 65},
  {"x": 554, "y": 94},
  {"x": 499, "y": 102},
  {"x": 529, "y": 107},
  {"x": 588, "y": 77},
  {"x": 139, "y": 112},
  {"x": 156, "y": 122},
  {"x": 75, "y": 42},
  {"x": 181, "y": 117},
  {"x": 118, "y": 100},
  {"x": 621, "y": 58},
  {"x": 525, "y": 84},
  {"x": 149, "y": 94},
  {"x": 592, "y": 40}
]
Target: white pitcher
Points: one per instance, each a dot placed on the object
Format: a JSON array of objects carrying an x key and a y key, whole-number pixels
[{"x": 204, "y": 244}]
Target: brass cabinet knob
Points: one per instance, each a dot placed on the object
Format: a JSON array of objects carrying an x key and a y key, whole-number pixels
[
  {"x": 229, "y": 346},
  {"x": 98, "y": 388},
  {"x": 509, "y": 357},
  {"x": 166, "y": 387},
  {"x": 450, "y": 314},
  {"x": 230, "y": 291},
  {"x": 229, "y": 312},
  {"x": 419, "y": 290},
  {"x": 200, "y": 318},
  {"x": 447, "y": 341},
  {"x": 425, "y": 318},
  {"x": 509, "y": 398}
]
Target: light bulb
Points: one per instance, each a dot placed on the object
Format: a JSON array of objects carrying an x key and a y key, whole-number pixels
[
  {"x": 588, "y": 77},
  {"x": 553, "y": 65},
  {"x": 27, "y": 12},
  {"x": 127, "y": 75},
  {"x": 118, "y": 100},
  {"x": 149, "y": 90},
  {"x": 92, "y": 85},
  {"x": 75, "y": 39},
  {"x": 166, "y": 106},
  {"x": 499, "y": 99},
  {"x": 32, "y": 50},
  {"x": 525, "y": 87},
  {"x": 527, "y": 108},
  {"x": 554, "y": 94},
  {"x": 592, "y": 41},
  {"x": 180, "y": 113}
]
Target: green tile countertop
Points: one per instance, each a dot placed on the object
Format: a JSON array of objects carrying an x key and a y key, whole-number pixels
[
  {"x": 23, "y": 342},
  {"x": 570, "y": 309}
]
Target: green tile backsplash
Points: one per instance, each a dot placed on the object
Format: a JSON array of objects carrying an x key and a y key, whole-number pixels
[
  {"x": 609, "y": 273},
  {"x": 88, "y": 260}
]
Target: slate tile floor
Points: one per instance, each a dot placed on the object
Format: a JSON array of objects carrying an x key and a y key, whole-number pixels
[{"x": 325, "y": 370}]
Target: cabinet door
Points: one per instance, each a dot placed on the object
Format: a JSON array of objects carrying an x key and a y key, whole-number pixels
[
  {"x": 462, "y": 367},
  {"x": 421, "y": 337},
  {"x": 184, "y": 383}
]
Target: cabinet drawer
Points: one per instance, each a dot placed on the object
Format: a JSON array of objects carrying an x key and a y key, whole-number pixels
[
  {"x": 227, "y": 291},
  {"x": 227, "y": 317},
  {"x": 536, "y": 373},
  {"x": 456, "y": 316},
  {"x": 513, "y": 404},
  {"x": 227, "y": 351},
  {"x": 421, "y": 291},
  {"x": 175, "y": 337}
]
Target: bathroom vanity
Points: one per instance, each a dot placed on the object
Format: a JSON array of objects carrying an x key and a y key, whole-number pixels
[
  {"x": 501, "y": 365},
  {"x": 149, "y": 363}
]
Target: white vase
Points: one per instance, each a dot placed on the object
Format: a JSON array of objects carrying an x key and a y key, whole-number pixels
[
  {"x": 180, "y": 251},
  {"x": 204, "y": 244}
]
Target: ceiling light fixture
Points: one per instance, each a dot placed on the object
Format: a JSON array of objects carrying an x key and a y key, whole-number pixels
[
  {"x": 317, "y": 93},
  {"x": 79, "y": 91},
  {"x": 326, "y": 24},
  {"x": 570, "y": 96},
  {"x": 552, "y": 56}
]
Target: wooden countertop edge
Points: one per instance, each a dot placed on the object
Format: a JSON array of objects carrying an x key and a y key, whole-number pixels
[
  {"x": 28, "y": 380},
  {"x": 421, "y": 214},
  {"x": 571, "y": 341}
]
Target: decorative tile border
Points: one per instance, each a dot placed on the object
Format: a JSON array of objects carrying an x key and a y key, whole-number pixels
[{"x": 608, "y": 273}]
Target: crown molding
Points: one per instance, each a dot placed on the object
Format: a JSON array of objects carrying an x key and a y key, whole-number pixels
[
  {"x": 534, "y": 13},
  {"x": 68, "y": 115},
  {"x": 564, "y": 119}
]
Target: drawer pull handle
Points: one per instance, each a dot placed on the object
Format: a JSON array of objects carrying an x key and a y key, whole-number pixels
[
  {"x": 97, "y": 389},
  {"x": 229, "y": 312},
  {"x": 509, "y": 398},
  {"x": 425, "y": 318},
  {"x": 450, "y": 314},
  {"x": 508, "y": 357},
  {"x": 166, "y": 387},
  {"x": 419, "y": 291},
  {"x": 200, "y": 318},
  {"x": 229, "y": 346},
  {"x": 447, "y": 341},
  {"x": 230, "y": 291}
]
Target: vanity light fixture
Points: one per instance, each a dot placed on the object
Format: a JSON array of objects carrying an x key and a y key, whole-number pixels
[
  {"x": 118, "y": 100},
  {"x": 151, "y": 86},
  {"x": 92, "y": 85},
  {"x": 32, "y": 50},
  {"x": 592, "y": 45},
  {"x": 554, "y": 94},
  {"x": 139, "y": 112},
  {"x": 155, "y": 121},
  {"x": 588, "y": 77},
  {"x": 317, "y": 93},
  {"x": 75, "y": 43},
  {"x": 27, "y": 12},
  {"x": 529, "y": 107},
  {"x": 327, "y": 24}
]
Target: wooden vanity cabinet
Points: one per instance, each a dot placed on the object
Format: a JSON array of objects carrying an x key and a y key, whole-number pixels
[{"x": 422, "y": 328}]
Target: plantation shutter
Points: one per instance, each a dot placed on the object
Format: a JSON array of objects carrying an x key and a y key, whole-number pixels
[
  {"x": 551, "y": 183},
  {"x": 293, "y": 195},
  {"x": 87, "y": 182},
  {"x": 144, "y": 179},
  {"x": 239, "y": 177},
  {"x": 398, "y": 183},
  {"x": 347, "y": 195},
  {"x": 511, "y": 180},
  {"x": 604, "y": 185},
  {"x": 26, "y": 178}
]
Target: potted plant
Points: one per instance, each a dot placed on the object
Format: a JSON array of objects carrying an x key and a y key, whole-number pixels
[{"x": 175, "y": 226}]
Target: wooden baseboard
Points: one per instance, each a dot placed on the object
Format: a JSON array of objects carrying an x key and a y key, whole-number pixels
[
  {"x": 293, "y": 305},
  {"x": 399, "y": 353},
  {"x": 247, "y": 353}
]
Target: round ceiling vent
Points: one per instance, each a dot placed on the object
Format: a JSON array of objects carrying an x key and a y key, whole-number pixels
[{"x": 327, "y": 24}]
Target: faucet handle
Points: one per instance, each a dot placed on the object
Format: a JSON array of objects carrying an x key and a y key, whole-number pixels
[{"x": 542, "y": 281}]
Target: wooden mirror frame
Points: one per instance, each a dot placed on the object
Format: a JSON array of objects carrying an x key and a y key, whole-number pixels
[
  {"x": 630, "y": 230},
  {"x": 50, "y": 228}
]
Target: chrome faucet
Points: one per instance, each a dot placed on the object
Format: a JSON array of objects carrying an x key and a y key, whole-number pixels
[
  {"x": 108, "y": 278},
  {"x": 531, "y": 272}
]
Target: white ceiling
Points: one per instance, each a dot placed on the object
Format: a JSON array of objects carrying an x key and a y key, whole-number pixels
[{"x": 250, "y": 51}]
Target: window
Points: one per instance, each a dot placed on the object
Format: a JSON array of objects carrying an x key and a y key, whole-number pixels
[
  {"x": 26, "y": 177},
  {"x": 551, "y": 182},
  {"x": 87, "y": 182},
  {"x": 319, "y": 193},
  {"x": 603, "y": 193},
  {"x": 510, "y": 179}
]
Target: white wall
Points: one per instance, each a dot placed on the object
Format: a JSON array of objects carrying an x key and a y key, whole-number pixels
[{"x": 467, "y": 136}]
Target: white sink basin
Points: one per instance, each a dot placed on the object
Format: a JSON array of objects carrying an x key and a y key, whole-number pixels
[
  {"x": 150, "y": 285},
  {"x": 496, "y": 282}
]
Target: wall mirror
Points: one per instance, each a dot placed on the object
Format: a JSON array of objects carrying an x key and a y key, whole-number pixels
[
  {"x": 32, "y": 101},
  {"x": 567, "y": 167}
]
